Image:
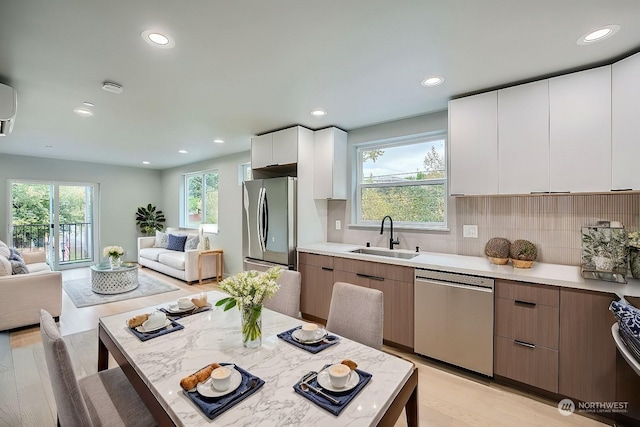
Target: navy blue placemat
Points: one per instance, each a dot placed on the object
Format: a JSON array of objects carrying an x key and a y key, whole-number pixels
[
  {"x": 144, "y": 336},
  {"x": 311, "y": 348},
  {"x": 344, "y": 398},
  {"x": 214, "y": 406},
  {"x": 186, "y": 313}
]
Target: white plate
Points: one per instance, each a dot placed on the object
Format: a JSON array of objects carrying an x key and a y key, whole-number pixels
[
  {"x": 325, "y": 382},
  {"x": 320, "y": 335},
  {"x": 206, "y": 390},
  {"x": 143, "y": 329},
  {"x": 174, "y": 309}
]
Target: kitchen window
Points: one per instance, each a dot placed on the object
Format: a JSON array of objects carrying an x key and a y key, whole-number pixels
[
  {"x": 405, "y": 178},
  {"x": 201, "y": 199}
]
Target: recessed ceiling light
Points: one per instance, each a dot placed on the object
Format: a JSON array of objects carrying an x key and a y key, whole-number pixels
[
  {"x": 218, "y": 141},
  {"x": 432, "y": 81},
  {"x": 599, "y": 34},
  {"x": 318, "y": 112},
  {"x": 83, "y": 112},
  {"x": 157, "y": 39},
  {"x": 89, "y": 104},
  {"x": 182, "y": 151},
  {"x": 112, "y": 87},
  {"x": 145, "y": 162}
]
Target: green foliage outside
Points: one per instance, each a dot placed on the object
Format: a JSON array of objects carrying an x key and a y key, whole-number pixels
[
  {"x": 195, "y": 189},
  {"x": 30, "y": 204},
  {"x": 420, "y": 203}
]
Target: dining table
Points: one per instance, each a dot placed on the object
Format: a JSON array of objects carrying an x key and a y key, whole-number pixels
[{"x": 156, "y": 366}]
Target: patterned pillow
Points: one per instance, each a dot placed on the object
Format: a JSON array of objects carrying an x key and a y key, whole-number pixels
[
  {"x": 176, "y": 243},
  {"x": 627, "y": 314},
  {"x": 18, "y": 267},
  {"x": 162, "y": 239},
  {"x": 192, "y": 242},
  {"x": 14, "y": 255}
]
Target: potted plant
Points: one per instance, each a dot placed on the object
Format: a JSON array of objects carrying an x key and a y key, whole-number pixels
[
  {"x": 497, "y": 249},
  {"x": 150, "y": 219},
  {"x": 523, "y": 253}
]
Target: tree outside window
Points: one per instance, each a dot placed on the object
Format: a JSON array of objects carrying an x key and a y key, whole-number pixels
[
  {"x": 405, "y": 179},
  {"x": 201, "y": 204}
]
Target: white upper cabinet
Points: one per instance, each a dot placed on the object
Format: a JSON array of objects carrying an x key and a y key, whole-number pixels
[
  {"x": 275, "y": 148},
  {"x": 261, "y": 150},
  {"x": 330, "y": 164},
  {"x": 580, "y": 131},
  {"x": 523, "y": 138},
  {"x": 473, "y": 144},
  {"x": 625, "y": 131}
]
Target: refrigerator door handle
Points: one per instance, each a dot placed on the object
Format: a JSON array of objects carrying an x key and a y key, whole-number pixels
[
  {"x": 265, "y": 214},
  {"x": 261, "y": 218}
]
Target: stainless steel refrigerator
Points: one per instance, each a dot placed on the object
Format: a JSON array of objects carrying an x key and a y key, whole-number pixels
[{"x": 269, "y": 220}]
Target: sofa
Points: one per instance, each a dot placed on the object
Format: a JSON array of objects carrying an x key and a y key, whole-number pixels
[
  {"x": 181, "y": 263},
  {"x": 23, "y": 295}
]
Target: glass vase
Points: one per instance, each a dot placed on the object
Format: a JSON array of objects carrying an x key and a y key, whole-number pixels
[
  {"x": 115, "y": 262},
  {"x": 634, "y": 262},
  {"x": 251, "y": 326}
]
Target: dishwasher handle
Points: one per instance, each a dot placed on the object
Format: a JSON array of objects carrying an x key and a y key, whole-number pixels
[{"x": 454, "y": 285}]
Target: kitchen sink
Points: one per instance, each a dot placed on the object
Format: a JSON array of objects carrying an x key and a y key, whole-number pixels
[{"x": 389, "y": 253}]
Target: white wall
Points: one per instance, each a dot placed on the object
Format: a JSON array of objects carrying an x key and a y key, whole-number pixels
[
  {"x": 229, "y": 237},
  {"x": 122, "y": 190}
]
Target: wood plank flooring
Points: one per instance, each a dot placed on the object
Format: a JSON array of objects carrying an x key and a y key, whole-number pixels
[{"x": 448, "y": 397}]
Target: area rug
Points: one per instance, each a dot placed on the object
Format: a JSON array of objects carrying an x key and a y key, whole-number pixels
[{"x": 79, "y": 290}]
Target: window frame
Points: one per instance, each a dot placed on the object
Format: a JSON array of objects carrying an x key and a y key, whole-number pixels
[
  {"x": 211, "y": 227},
  {"x": 391, "y": 143}
]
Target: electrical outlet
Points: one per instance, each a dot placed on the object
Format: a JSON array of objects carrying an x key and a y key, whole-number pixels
[
  {"x": 338, "y": 224},
  {"x": 470, "y": 231}
]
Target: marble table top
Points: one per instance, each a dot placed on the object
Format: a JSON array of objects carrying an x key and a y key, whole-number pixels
[{"x": 214, "y": 336}]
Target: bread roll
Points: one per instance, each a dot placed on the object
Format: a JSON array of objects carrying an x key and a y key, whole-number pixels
[
  {"x": 350, "y": 363},
  {"x": 190, "y": 382},
  {"x": 138, "y": 320},
  {"x": 200, "y": 301}
]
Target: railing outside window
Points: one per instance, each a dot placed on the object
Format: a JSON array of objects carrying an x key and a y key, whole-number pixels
[{"x": 74, "y": 240}]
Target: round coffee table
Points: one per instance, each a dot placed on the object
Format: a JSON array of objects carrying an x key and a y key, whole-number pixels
[{"x": 104, "y": 280}]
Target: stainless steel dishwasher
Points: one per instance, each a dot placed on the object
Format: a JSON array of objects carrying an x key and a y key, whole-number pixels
[{"x": 454, "y": 319}]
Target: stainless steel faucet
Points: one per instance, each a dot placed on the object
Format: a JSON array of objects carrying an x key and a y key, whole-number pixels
[{"x": 391, "y": 241}]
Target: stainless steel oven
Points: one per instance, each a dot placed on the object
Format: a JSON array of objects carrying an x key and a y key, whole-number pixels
[{"x": 454, "y": 319}]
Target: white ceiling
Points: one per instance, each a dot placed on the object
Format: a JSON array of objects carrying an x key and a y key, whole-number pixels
[{"x": 245, "y": 67}]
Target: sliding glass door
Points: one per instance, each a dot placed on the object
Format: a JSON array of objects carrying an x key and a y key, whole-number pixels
[{"x": 56, "y": 218}]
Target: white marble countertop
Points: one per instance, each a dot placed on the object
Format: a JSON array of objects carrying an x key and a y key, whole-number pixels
[
  {"x": 541, "y": 273},
  {"x": 214, "y": 336}
]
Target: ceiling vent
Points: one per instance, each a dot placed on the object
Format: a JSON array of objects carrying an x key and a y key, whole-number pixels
[{"x": 8, "y": 105}]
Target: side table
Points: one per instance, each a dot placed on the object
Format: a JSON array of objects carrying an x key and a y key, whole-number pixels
[{"x": 219, "y": 263}]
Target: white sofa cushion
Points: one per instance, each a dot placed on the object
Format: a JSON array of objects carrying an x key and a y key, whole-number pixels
[
  {"x": 38, "y": 266},
  {"x": 5, "y": 266},
  {"x": 172, "y": 259},
  {"x": 152, "y": 253}
]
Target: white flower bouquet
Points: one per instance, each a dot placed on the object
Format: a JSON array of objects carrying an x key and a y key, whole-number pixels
[
  {"x": 248, "y": 290},
  {"x": 113, "y": 251}
]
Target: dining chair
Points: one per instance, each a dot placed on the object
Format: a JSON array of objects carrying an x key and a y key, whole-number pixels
[
  {"x": 287, "y": 298},
  {"x": 102, "y": 399},
  {"x": 357, "y": 313}
]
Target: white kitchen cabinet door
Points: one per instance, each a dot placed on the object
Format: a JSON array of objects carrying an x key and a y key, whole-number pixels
[
  {"x": 523, "y": 138},
  {"x": 285, "y": 146},
  {"x": 625, "y": 126},
  {"x": 330, "y": 164},
  {"x": 473, "y": 144},
  {"x": 261, "y": 149},
  {"x": 580, "y": 131}
]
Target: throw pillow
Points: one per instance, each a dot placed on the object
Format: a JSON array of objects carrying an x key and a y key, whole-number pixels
[
  {"x": 162, "y": 239},
  {"x": 14, "y": 255},
  {"x": 18, "y": 267},
  {"x": 176, "y": 243},
  {"x": 192, "y": 242},
  {"x": 627, "y": 314},
  {"x": 5, "y": 266},
  {"x": 4, "y": 249}
]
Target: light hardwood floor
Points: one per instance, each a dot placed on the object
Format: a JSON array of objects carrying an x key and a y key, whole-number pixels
[{"x": 448, "y": 397}]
